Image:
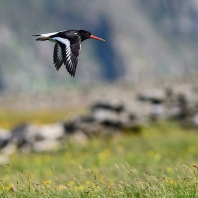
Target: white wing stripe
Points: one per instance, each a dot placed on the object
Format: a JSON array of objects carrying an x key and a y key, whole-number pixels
[
  {"x": 63, "y": 41},
  {"x": 68, "y": 51},
  {"x": 48, "y": 34}
]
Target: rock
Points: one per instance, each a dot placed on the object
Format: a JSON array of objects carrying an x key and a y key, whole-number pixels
[
  {"x": 107, "y": 118},
  {"x": 9, "y": 149},
  {"x": 135, "y": 122},
  {"x": 113, "y": 105},
  {"x": 50, "y": 132},
  {"x": 31, "y": 133},
  {"x": 108, "y": 114},
  {"x": 105, "y": 115},
  {"x": 173, "y": 113},
  {"x": 139, "y": 109},
  {"x": 18, "y": 134},
  {"x": 155, "y": 96},
  {"x": 5, "y": 136},
  {"x": 79, "y": 137},
  {"x": 28, "y": 136},
  {"x": 88, "y": 126},
  {"x": 195, "y": 120},
  {"x": 70, "y": 126},
  {"x": 24, "y": 134},
  {"x": 46, "y": 145},
  {"x": 158, "y": 111},
  {"x": 85, "y": 124},
  {"x": 48, "y": 137}
]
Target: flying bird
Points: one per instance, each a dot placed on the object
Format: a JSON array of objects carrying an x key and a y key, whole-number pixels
[{"x": 67, "y": 47}]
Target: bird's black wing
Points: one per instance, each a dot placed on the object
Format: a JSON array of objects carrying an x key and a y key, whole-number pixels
[
  {"x": 70, "y": 53},
  {"x": 74, "y": 56},
  {"x": 57, "y": 56}
]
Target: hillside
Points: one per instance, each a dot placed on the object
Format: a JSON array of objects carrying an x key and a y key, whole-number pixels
[{"x": 144, "y": 40}]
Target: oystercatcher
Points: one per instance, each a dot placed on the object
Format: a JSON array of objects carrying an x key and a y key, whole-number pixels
[{"x": 67, "y": 47}]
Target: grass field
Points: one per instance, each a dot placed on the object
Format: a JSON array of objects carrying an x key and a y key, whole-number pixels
[
  {"x": 161, "y": 161},
  {"x": 10, "y": 118}
]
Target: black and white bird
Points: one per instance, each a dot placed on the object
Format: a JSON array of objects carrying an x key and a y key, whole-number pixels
[{"x": 67, "y": 47}]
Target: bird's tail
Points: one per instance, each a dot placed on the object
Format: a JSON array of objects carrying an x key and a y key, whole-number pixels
[{"x": 40, "y": 38}]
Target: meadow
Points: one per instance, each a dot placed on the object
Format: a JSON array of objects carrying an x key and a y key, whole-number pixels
[{"x": 159, "y": 161}]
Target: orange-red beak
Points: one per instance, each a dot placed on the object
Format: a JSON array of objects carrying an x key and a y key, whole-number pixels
[{"x": 97, "y": 38}]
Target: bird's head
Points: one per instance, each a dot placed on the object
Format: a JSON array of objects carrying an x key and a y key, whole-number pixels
[{"x": 87, "y": 35}]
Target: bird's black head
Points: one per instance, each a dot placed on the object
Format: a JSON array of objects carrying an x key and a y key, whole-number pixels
[{"x": 86, "y": 35}]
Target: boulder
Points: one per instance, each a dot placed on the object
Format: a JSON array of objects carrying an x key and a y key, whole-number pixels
[
  {"x": 50, "y": 132},
  {"x": 24, "y": 134},
  {"x": 195, "y": 120},
  {"x": 9, "y": 149},
  {"x": 5, "y": 136},
  {"x": 155, "y": 96},
  {"x": 46, "y": 145},
  {"x": 79, "y": 137},
  {"x": 71, "y": 125},
  {"x": 105, "y": 115},
  {"x": 112, "y": 105}
]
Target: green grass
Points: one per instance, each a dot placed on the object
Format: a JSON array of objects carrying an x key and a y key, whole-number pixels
[
  {"x": 159, "y": 162},
  {"x": 10, "y": 118}
]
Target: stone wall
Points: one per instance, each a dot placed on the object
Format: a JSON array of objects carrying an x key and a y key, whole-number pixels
[{"x": 106, "y": 117}]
